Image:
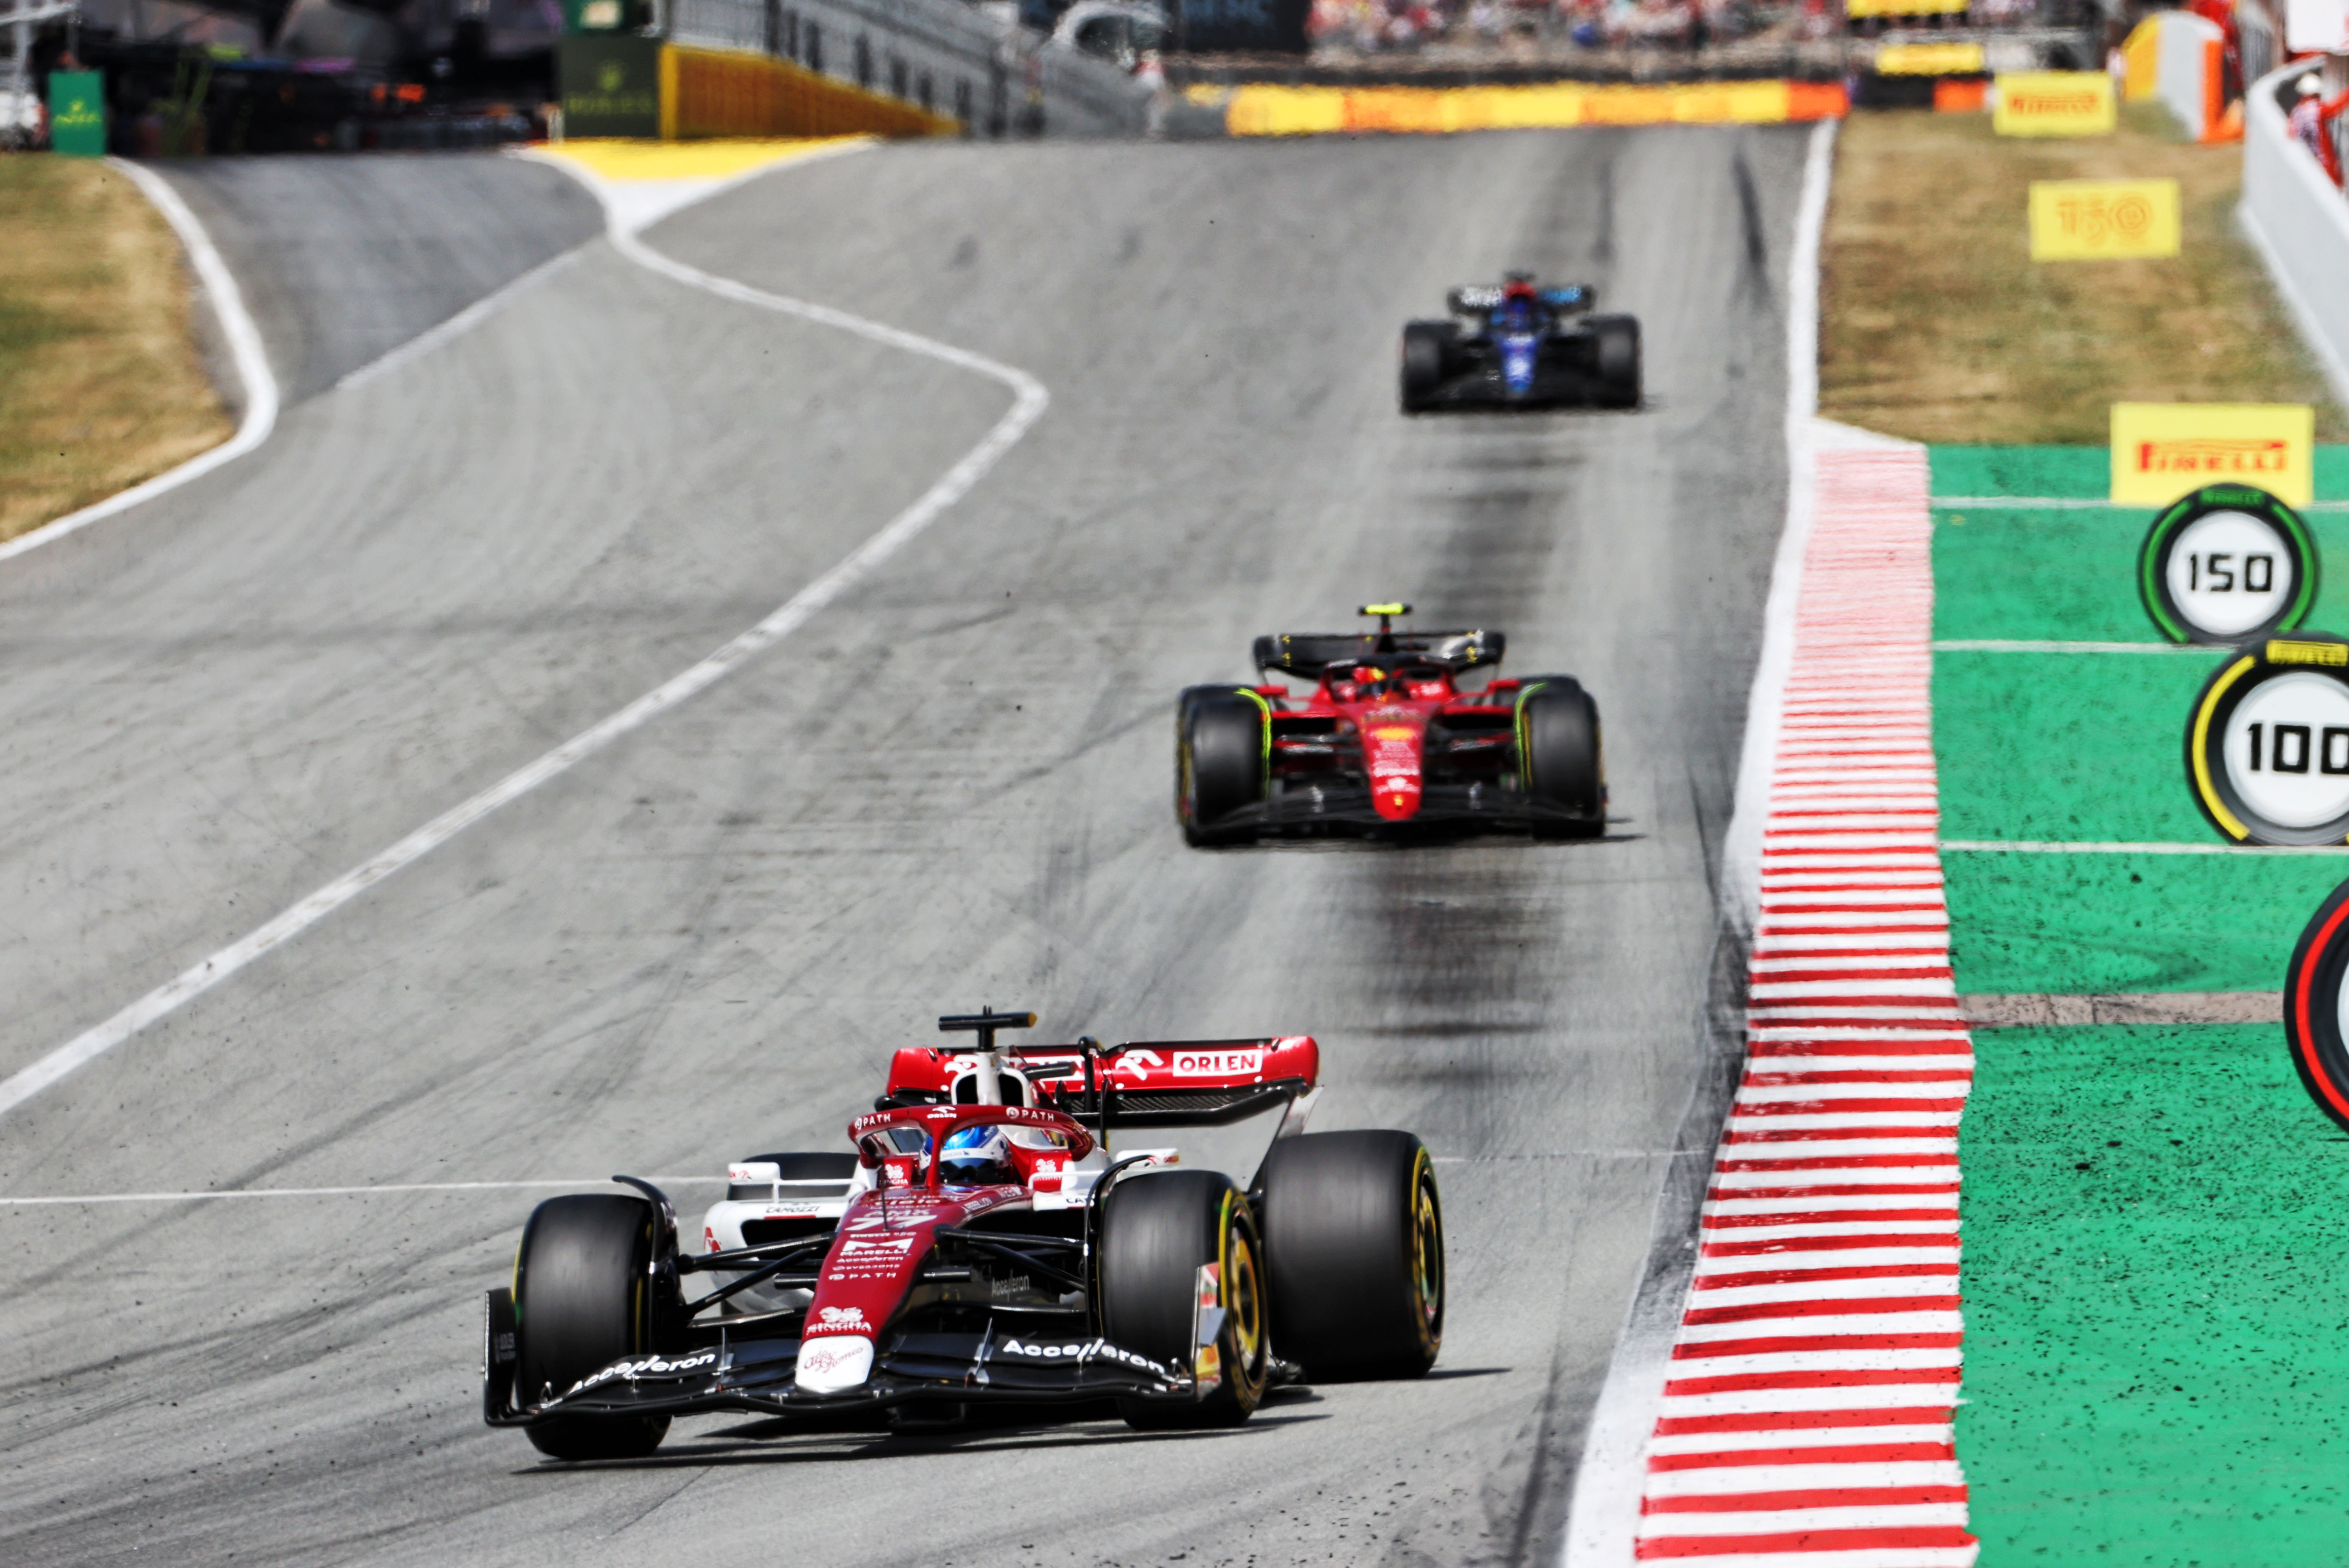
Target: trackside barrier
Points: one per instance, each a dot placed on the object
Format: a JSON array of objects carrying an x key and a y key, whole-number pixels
[
  {"x": 1270, "y": 110},
  {"x": 942, "y": 57},
  {"x": 2299, "y": 224},
  {"x": 707, "y": 92}
]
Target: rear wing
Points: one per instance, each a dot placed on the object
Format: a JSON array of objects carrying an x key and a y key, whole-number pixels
[
  {"x": 1477, "y": 301},
  {"x": 1307, "y": 654},
  {"x": 1142, "y": 1084}
]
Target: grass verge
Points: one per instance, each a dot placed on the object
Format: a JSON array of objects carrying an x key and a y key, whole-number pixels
[
  {"x": 100, "y": 382},
  {"x": 1938, "y": 327}
]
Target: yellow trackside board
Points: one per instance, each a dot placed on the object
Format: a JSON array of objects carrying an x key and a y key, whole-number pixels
[
  {"x": 2053, "y": 103},
  {"x": 1929, "y": 59},
  {"x": 2162, "y": 451},
  {"x": 2092, "y": 219}
]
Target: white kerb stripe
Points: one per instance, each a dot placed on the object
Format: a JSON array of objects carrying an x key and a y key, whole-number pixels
[
  {"x": 1773, "y": 1521},
  {"x": 1735, "y": 1478}
]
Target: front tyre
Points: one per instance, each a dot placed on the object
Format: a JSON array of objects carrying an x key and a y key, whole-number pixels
[
  {"x": 1222, "y": 761},
  {"x": 1353, "y": 1235},
  {"x": 1427, "y": 352},
  {"x": 1616, "y": 343},
  {"x": 582, "y": 1301},
  {"x": 1561, "y": 766},
  {"x": 1170, "y": 1243}
]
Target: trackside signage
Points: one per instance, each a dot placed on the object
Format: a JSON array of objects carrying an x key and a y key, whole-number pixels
[
  {"x": 2053, "y": 103},
  {"x": 2163, "y": 451},
  {"x": 609, "y": 85},
  {"x": 2101, "y": 220},
  {"x": 78, "y": 114}
]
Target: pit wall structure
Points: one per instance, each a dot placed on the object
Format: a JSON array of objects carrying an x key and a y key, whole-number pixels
[{"x": 2299, "y": 224}]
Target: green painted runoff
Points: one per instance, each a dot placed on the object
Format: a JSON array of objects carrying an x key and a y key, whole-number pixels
[
  {"x": 2074, "y": 924},
  {"x": 2157, "y": 1318},
  {"x": 2067, "y": 746}
]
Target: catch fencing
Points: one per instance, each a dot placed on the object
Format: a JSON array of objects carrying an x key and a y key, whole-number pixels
[{"x": 940, "y": 56}]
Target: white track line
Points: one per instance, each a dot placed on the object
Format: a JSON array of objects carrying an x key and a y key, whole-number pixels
[
  {"x": 1765, "y": 704},
  {"x": 245, "y": 351},
  {"x": 335, "y": 1191},
  {"x": 464, "y": 321},
  {"x": 1603, "y": 1515},
  {"x": 2001, "y": 645},
  {"x": 1029, "y": 400}
]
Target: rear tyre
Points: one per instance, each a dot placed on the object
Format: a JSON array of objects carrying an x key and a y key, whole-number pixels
[
  {"x": 1158, "y": 1233},
  {"x": 1354, "y": 1236},
  {"x": 580, "y": 1302},
  {"x": 1617, "y": 359},
  {"x": 1427, "y": 352},
  {"x": 1221, "y": 760},
  {"x": 1560, "y": 764}
]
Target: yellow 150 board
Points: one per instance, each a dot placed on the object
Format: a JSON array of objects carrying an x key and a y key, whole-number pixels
[
  {"x": 2088, "y": 220},
  {"x": 2053, "y": 103},
  {"x": 2162, "y": 451}
]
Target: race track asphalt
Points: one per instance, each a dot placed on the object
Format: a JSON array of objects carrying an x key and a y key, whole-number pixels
[{"x": 950, "y": 788}]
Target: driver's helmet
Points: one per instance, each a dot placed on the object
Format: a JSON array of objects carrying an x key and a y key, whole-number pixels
[{"x": 977, "y": 1157}]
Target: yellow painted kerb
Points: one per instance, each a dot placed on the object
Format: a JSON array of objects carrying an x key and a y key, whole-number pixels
[
  {"x": 2227, "y": 820},
  {"x": 628, "y": 161}
]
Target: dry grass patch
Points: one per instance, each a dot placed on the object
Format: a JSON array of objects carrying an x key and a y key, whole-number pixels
[
  {"x": 100, "y": 382},
  {"x": 1936, "y": 324}
]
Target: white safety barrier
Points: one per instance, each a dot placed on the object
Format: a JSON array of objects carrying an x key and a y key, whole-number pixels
[
  {"x": 2300, "y": 223},
  {"x": 2188, "y": 77},
  {"x": 997, "y": 77}
]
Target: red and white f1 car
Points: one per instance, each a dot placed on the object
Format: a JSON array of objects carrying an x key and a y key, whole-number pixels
[{"x": 984, "y": 1243}]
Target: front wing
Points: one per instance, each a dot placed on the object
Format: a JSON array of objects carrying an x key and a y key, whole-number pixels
[
  {"x": 1337, "y": 805},
  {"x": 757, "y": 1376},
  {"x": 1480, "y": 385}
]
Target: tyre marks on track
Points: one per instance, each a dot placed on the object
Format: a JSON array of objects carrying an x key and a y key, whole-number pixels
[{"x": 1807, "y": 1416}]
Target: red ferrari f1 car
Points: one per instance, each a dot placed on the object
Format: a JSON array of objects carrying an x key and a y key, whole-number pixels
[
  {"x": 983, "y": 1243},
  {"x": 1385, "y": 739}
]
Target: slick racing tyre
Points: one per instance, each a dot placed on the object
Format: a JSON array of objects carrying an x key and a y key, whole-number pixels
[
  {"x": 1427, "y": 352},
  {"x": 1161, "y": 1236},
  {"x": 1560, "y": 765},
  {"x": 1616, "y": 360},
  {"x": 580, "y": 1302},
  {"x": 2316, "y": 1007},
  {"x": 1222, "y": 754},
  {"x": 1353, "y": 1240}
]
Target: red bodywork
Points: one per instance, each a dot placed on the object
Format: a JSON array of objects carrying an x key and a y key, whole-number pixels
[
  {"x": 1395, "y": 728},
  {"x": 890, "y": 1231}
]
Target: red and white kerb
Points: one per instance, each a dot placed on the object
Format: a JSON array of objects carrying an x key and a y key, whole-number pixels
[{"x": 1807, "y": 1416}]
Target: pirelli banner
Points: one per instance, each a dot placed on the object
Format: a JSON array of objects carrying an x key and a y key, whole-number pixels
[
  {"x": 2053, "y": 103},
  {"x": 1266, "y": 110},
  {"x": 2164, "y": 451}
]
